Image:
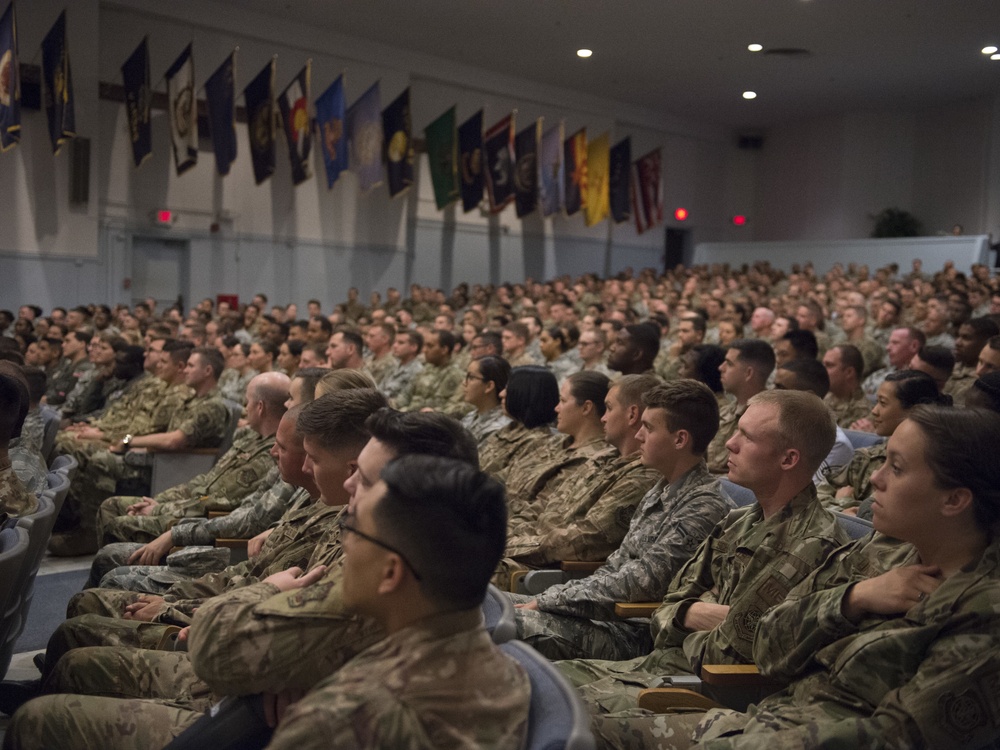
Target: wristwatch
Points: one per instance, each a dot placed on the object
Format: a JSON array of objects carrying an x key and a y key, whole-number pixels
[{"x": 126, "y": 440}]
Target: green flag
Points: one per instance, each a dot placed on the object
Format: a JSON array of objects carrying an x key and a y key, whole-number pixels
[{"x": 442, "y": 154}]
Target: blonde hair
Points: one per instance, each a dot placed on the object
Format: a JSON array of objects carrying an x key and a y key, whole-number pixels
[
  {"x": 343, "y": 380},
  {"x": 804, "y": 423}
]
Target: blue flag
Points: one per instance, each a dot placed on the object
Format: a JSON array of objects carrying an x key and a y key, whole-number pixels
[
  {"x": 470, "y": 149},
  {"x": 364, "y": 138},
  {"x": 526, "y": 170},
  {"x": 58, "y": 85},
  {"x": 550, "y": 171},
  {"x": 498, "y": 153},
  {"x": 10, "y": 82},
  {"x": 621, "y": 167},
  {"x": 135, "y": 76},
  {"x": 330, "y": 117},
  {"x": 222, "y": 113},
  {"x": 259, "y": 98},
  {"x": 396, "y": 129}
]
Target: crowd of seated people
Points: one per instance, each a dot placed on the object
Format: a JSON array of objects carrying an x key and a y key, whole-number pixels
[{"x": 680, "y": 449}]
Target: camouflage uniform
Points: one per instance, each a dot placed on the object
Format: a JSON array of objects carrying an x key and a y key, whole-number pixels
[
  {"x": 240, "y": 472},
  {"x": 717, "y": 455},
  {"x": 577, "y": 618},
  {"x": 846, "y": 411},
  {"x": 482, "y": 425},
  {"x": 925, "y": 678},
  {"x": 871, "y": 352},
  {"x": 667, "y": 367},
  {"x": 501, "y": 448},
  {"x": 15, "y": 500},
  {"x": 586, "y": 517},
  {"x": 434, "y": 387},
  {"x": 563, "y": 366},
  {"x": 857, "y": 475},
  {"x": 379, "y": 368},
  {"x": 32, "y": 432},
  {"x": 525, "y": 358},
  {"x": 233, "y": 385},
  {"x": 29, "y": 466},
  {"x": 874, "y": 381},
  {"x": 438, "y": 684},
  {"x": 63, "y": 378},
  {"x": 958, "y": 385},
  {"x": 397, "y": 385},
  {"x": 944, "y": 339},
  {"x": 748, "y": 563}
]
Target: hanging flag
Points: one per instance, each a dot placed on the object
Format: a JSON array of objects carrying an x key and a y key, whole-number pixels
[
  {"x": 618, "y": 186},
  {"x": 135, "y": 77},
  {"x": 10, "y": 81},
  {"x": 364, "y": 138},
  {"x": 183, "y": 109},
  {"x": 598, "y": 168},
  {"x": 330, "y": 116},
  {"x": 470, "y": 146},
  {"x": 498, "y": 150},
  {"x": 294, "y": 105},
  {"x": 647, "y": 191},
  {"x": 441, "y": 155},
  {"x": 526, "y": 169},
  {"x": 58, "y": 85},
  {"x": 396, "y": 129},
  {"x": 220, "y": 98},
  {"x": 259, "y": 98},
  {"x": 550, "y": 171},
  {"x": 575, "y": 170}
]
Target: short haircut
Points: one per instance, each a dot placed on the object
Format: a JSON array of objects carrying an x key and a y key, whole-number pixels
[
  {"x": 629, "y": 389},
  {"x": 178, "y": 351},
  {"x": 337, "y": 420},
  {"x": 423, "y": 433},
  {"x": 343, "y": 379},
  {"x": 956, "y": 457},
  {"x": 698, "y": 321},
  {"x": 532, "y": 395},
  {"x": 941, "y": 358},
  {"x": 689, "y": 405},
  {"x": 851, "y": 356},
  {"x": 212, "y": 358},
  {"x": 388, "y": 328},
  {"x": 295, "y": 347},
  {"x": 494, "y": 370},
  {"x": 450, "y": 521},
  {"x": 269, "y": 347},
  {"x": 445, "y": 338},
  {"x": 324, "y": 323},
  {"x": 804, "y": 423},
  {"x": 518, "y": 329},
  {"x": 646, "y": 338},
  {"x": 37, "y": 382},
  {"x": 351, "y": 336},
  {"x": 707, "y": 359},
  {"x": 756, "y": 353},
  {"x": 590, "y": 385},
  {"x": 860, "y": 310},
  {"x": 983, "y": 328},
  {"x": 984, "y": 393},
  {"x": 914, "y": 333},
  {"x": 803, "y": 343},
  {"x": 310, "y": 376},
  {"x": 491, "y": 339},
  {"x": 810, "y": 375},
  {"x": 272, "y": 391}
]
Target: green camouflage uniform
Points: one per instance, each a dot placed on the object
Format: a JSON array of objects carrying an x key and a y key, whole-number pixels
[
  {"x": 379, "y": 368},
  {"x": 509, "y": 443},
  {"x": 667, "y": 367},
  {"x": 63, "y": 379},
  {"x": 397, "y": 385},
  {"x": 433, "y": 387},
  {"x": 238, "y": 473},
  {"x": 846, "y": 411},
  {"x": 577, "y": 618},
  {"x": 748, "y": 563},
  {"x": 871, "y": 352},
  {"x": 440, "y": 684},
  {"x": 483, "y": 425},
  {"x": 15, "y": 500},
  {"x": 717, "y": 455},
  {"x": 958, "y": 385},
  {"x": 857, "y": 474},
  {"x": 925, "y": 678}
]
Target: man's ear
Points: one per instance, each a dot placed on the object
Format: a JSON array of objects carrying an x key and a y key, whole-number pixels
[
  {"x": 634, "y": 412},
  {"x": 790, "y": 459},
  {"x": 393, "y": 572}
]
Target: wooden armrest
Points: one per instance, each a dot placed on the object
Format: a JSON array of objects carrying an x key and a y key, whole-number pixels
[
  {"x": 515, "y": 579},
  {"x": 579, "y": 566},
  {"x": 738, "y": 676},
  {"x": 665, "y": 700},
  {"x": 636, "y": 609},
  {"x": 232, "y": 543},
  {"x": 218, "y": 513}
]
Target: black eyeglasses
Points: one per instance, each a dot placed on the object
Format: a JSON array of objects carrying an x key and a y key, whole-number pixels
[
  {"x": 344, "y": 523},
  {"x": 469, "y": 376}
]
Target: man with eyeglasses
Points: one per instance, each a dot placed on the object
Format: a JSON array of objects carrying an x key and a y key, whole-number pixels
[{"x": 591, "y": 348}]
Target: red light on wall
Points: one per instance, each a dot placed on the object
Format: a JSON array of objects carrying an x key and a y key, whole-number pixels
[
  {"x": 739, "y": 220},
  {"x": 681, "y": 214},
  {"x": 165, "y": 217}
]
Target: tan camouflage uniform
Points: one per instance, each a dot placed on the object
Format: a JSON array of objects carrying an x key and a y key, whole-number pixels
[
  {"x": 958, "y": 385},
  {"x": 63, "y": 378},
  {"x": 434, "y": 387},
  {"x": 717, "y": 455},
  {"x": 846, "y": 411},
  {"x": 505, "y": 445},
  {"x": 15, "y": 500},
  {"x": 379, "y": 368},
  {"x": 857, "y": 474}
]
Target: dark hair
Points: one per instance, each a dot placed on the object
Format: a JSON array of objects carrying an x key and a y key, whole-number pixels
[
  {"x": 707, "y": 359},
  {"x": 310, "y": 376},
  {"x": 295, "y": 347},
  {"x": 494, "y": 370},
  {"x": 756, "y": 353},
  {"x": 810, "y": 375},
  {"x": 984, "y": 393},
  {"x": 561, "y": 337},
  {"x": 416, "y": 339},
  {"x": 851, "y": 356},
  {"x": 212, "y": 358},
  {"x": 518, "y": 329},
  {"x": 337, "y": 419},
  {"x": 646, "y": 338},
  {"x": 37, "y": 382},
  {"x": 13, "y": 401},
  {"x": 445, "y": 339},
  {"x": 983, "y": 327},
  {"x": 491, "y": 339},
  {"x": 914, "y": 388},
  {"x": 697, "y": 321},
  {"x": 532, "y": 395},
  {"x": 128, "y": 362},
  {"x": 958, "y": 455},
  {"x": 423, "y": 433},
  {"x": 689, "y": 405},
  {"x": 939, "y": 357},
  {"x": 450, "y": 520},
  {"x": 351, "y": 336},
  {"x": 803, "y": 344},
  {"x": 324, "y": 324},
  {"x": 590, "y": 385}
]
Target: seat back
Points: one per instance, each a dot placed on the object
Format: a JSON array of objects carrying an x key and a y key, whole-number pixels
[
  {"x": 861, "y": 439},
  {"x": 58, "y": 488},
  {"x": 737, "y": 493},
  {"x": 556, "y": 718},
  {"x": 498, "y": 614},
  {"x": 854, "y": 526},
  {"x": 13, "y": 550},
  {"x": 65, "y": 465},
  {"x": 50, "y": 428}
]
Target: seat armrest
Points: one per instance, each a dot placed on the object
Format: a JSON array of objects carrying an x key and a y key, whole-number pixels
[
  {"x": 636, "y": 609},
  {"x": 232, "y": 543},
  {"x": 666, "y": 700},
  {"x": 579, "y": 566}
]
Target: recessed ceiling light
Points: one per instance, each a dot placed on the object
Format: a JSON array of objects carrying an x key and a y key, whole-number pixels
[
  {"x": 749, "y": 94},
  {"x": 995, "y": 57},
  {"x": 584, "y": 52},
  {"x": 991, "y": 50},
  {"x": 755, "y": 47}
]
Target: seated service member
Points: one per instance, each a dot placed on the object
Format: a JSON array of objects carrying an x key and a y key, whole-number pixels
[{"x": 419, "y": 549}]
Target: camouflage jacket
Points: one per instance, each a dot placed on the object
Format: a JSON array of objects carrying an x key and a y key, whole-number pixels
[
  {"x": 202, "y": 419},
  {"x": 32, "y": 432},
  {"x": 958, "y": 385},
  {"x": 750, "y": 564},
  {"x": 668, "y": 526},
  {"x": 397, "y": 385},
  {"x": 433, "y": 387},
  {"x": 507, "y": 444},
  {"x": 846, "y": 411},
  {"x": 379, "y": 368},
  {"x": 136, "y": 404},
  {"x": 483, "y": 425},
  {"x": 30, "y": 468},
  {"x": 15, "y": 500},
  {"x": 548, "y": 465},
  {"x": 857, "y": 475},
  {"x": 439, "y": 684},
  {"x": 174, "y": 398},
  {"x": 63, "y": 379},
  {"x": 717, "y": 456},
  {"x": 924, "y": 678},
  {"x": 233, "y": 385},
  {"x": 587, "y": 517}
]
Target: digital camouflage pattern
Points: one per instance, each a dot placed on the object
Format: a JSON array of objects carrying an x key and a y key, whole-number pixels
[
  {"x": 233, "y": 385},
  {"x": 958, "y": 385},
  {"x": 15, "y": 500},
  {"x": 381, "y": 367},
  {"x": 397, "y": 385},
  {"x": 483, "y": 425}
]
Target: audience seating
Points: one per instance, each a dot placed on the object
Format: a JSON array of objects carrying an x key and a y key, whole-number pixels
[
  {"x": 536, "y": 581},
  {"x": 498, "y": 615},
  {"x": 65, "y": 465},
  {"x": 738, "y": 494},
  {"x": 854, "y": 526},
  {"x": 557, "y": 719},
  {"x": 13, "y": 551},
  {"x": 861, "y": 439},
  {"x": 50, "y": 422},
  {"x": 733, "y": 686}
]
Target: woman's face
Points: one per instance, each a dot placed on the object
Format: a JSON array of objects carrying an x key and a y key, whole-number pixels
[
  {"x": 888, "y": 411},
  {"x": 286, "y": 360},
  {"x": 237, "y": 360},
  {"x": 477, "y": 392},
  {"x": 259, "y": 359},
  {"x": 727, "y": 332},
  {"x": 101, "y": 352},
  {"x": 549, "y": 346},
  {"x": 570, "y": 416}
]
